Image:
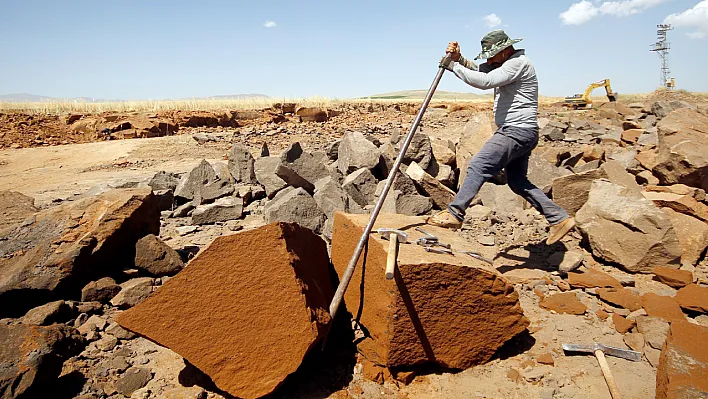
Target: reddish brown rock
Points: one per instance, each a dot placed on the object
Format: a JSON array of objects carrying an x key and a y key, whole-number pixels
[
  {"x": 32, "y": 356},
  {"x": 692, "y": 234},
  {"x": 631, "y": 135},
  {"x": 592, "y": 278},
  {"x": 441, "y": 195},
  {"x": 565, "y": 302},
  {"x": 629, "y": 125},
  {"x": 680, "y": 189},
  {"x": 622, "y": 325},
  {"x": 61, "y": 249},
  {"x": 312, "y": 114},
  {"x": 683, "y": 366},
  {"x": 246, "y": 310},
  {"x": 404, "y": 376},
  {"x": 455, "y": 311},
  {"x": 546, "y": 358},
  {"x": 635, "y": 341},
  {"x": 602, "y": 315},
  {"x": 157, "y": 258},
  {"x": 647, "y": 159},
  {"x": 621, "y": 297},
  {"x": 684, "y": 204},
  {"x": 662, "y": 306},
  {"x": 683, "y": 149},
  {"x": 373, "y": 372},
  {"x": 571, "y": 192},
  {"x": 694, "y": 298},
  {"x": 475, "y": 133},
  {"x": 673, "y": 277},
  {"x": 625, "y": 228}
]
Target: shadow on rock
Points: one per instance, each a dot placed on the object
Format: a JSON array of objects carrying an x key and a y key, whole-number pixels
[
  {"x": 519, "y": 344},
  {"x": 191, "y": 376},
  {"x": 324, "y": 372},
  {"x": 529, "y": 256},
  {"x": 65, "y": 387}
]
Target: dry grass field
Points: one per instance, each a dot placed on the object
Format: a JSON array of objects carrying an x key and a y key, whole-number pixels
[{"x": 61, "y": 107}]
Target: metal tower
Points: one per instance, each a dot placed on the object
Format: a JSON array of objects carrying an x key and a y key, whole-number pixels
[{"x": 662, "y": 48}]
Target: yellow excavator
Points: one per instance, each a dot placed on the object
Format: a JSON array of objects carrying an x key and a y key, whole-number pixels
[{"x": 584, "y": 101}]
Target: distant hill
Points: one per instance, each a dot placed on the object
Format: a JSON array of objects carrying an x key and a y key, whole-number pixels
[
  {"x": 236, "y": 97},
  {"x": 420, "y": 94},
  {"x": 24, "y": 98},
  {"x": 33, "y": 98}
]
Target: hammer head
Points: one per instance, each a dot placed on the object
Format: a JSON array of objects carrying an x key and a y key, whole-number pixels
[
  {"x": 607, "y": 350},
  {"x": 386, "y": 233}
]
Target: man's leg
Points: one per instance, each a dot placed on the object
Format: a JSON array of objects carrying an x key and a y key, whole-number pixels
[
  {"x": 519, "y": 183},
  {"x": 496, "y": 153}
]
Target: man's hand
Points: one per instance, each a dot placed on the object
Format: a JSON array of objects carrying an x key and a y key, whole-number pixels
[
  {"x": 453, "y": 48},
  {"x": 446, "y": 62}
]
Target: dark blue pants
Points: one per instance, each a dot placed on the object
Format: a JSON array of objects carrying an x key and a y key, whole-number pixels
[{"x": 509, "y": 148}]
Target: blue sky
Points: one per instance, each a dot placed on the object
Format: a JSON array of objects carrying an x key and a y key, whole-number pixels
[{"x": 174, "y": 49}]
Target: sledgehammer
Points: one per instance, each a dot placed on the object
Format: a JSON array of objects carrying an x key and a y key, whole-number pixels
[
  {"x": 600, "y": 350},
  {"x": 349, "y": 272}
]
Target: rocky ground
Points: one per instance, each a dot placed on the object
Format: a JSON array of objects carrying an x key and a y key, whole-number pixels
[{"x": 632, "y": 274}]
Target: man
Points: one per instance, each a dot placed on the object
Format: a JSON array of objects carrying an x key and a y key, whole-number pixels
[{"x": 513, "y": 78}]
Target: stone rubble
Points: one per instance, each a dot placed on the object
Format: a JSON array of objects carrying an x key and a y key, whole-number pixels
[{"x": 633, "y": 176}]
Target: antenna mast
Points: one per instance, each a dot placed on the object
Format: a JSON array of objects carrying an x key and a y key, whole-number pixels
[{"x": 662, "y": 48}]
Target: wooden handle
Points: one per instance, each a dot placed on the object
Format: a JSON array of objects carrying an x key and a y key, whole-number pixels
[
  {"x": 614, "y": 392},
  {"x": 392, "y": 254}
]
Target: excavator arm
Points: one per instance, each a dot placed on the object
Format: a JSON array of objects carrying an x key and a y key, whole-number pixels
[{"x": 583, "y": 100}]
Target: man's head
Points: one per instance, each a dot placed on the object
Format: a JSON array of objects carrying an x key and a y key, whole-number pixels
[{"x": 497, "y": 47}]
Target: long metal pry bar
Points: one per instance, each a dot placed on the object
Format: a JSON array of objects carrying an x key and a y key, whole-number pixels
[{"x": 349, "y": 272}]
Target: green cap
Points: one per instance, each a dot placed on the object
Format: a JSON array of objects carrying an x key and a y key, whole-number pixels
[{"x": 494, "y": 42}]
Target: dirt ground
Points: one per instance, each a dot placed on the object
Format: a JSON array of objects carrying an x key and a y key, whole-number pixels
[{"x": 57, "y": 173}]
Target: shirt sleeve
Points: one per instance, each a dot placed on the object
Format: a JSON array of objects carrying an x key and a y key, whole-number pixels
[
  {"x": 467, "y": 63},
  {"x": 508, "y": 73}
]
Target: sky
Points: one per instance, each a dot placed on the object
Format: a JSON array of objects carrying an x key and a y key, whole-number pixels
[{"x": 157, "y": 49}]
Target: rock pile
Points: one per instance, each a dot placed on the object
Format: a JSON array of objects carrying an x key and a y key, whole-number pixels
[
  {"x": 79, "y": 280},
  {"x": 307, "y": 188},
  {"x": 59, "y": 267}
]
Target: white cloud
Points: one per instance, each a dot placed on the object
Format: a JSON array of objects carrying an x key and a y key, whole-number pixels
[
  {"x": 695, "y": 18},
  {"x": 270, "y": 24},
  {"x": 492, "y": 20},
  {"x": 627, "y": 7},
  {"x": 583, "y": 11},
  {"x": 579, "y": 13}
]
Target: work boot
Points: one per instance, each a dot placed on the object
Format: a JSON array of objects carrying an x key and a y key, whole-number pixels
[
  {"x": 558, "y": 231},
  {"x": 444, "y": 219}
]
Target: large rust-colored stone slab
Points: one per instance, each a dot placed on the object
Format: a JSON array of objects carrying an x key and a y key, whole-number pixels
[
  {"x": 246, "y": 310},
  {"x": 683, "y": 366},
  {"x": 455, "y": 311}
]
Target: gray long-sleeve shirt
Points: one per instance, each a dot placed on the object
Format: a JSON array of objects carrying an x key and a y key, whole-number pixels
[{"x": 515, "y": 89}]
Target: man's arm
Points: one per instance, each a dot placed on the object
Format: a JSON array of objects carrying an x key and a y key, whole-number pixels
[
  {"x": 509, "y": 72},
  {"x": 469, "y": 64}
]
